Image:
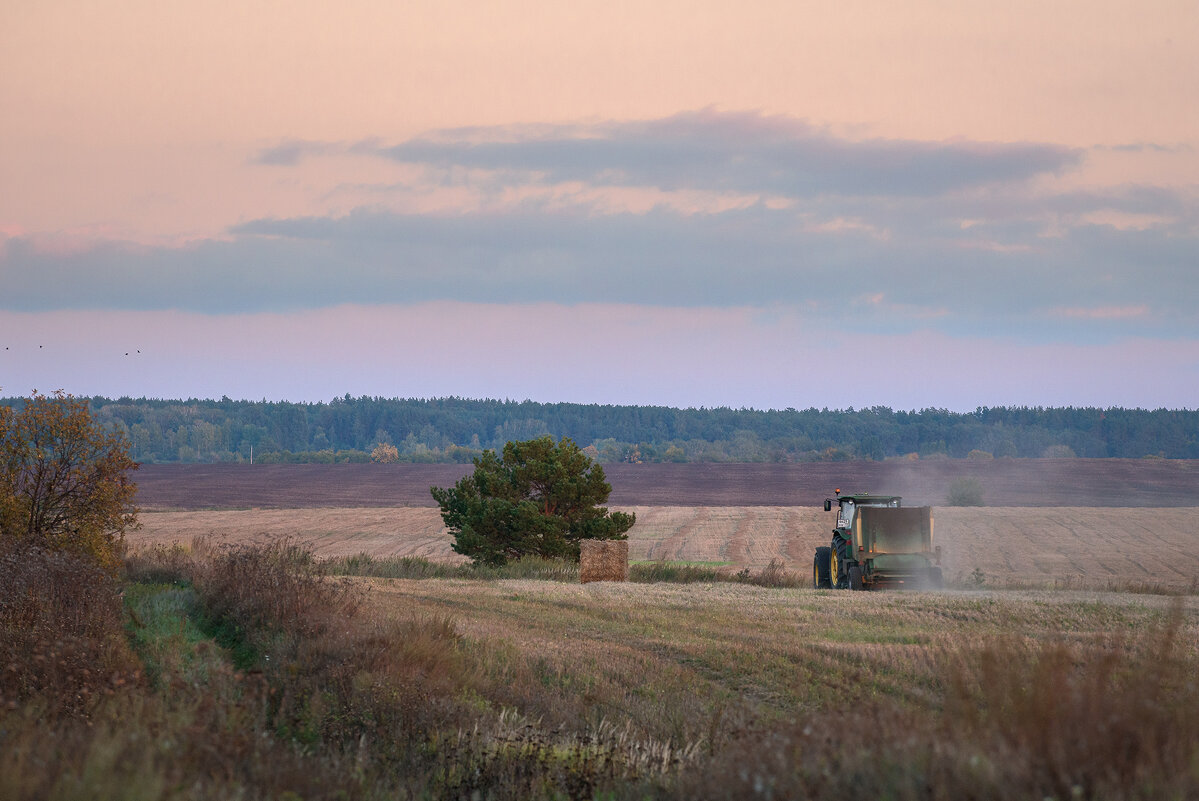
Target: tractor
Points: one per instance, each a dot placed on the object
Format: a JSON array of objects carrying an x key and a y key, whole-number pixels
[{"x": 878, "y": 543}]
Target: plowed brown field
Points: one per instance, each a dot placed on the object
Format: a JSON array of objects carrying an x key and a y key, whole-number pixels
[{"x": 1005, "y": 482}]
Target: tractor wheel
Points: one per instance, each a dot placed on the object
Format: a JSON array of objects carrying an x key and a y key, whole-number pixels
[
  {"x": 820, "y": 569},
  {"x": 935, "y": 579},
  {"x": 840, "y": 549},
  {"x": 855, "y": 577}
]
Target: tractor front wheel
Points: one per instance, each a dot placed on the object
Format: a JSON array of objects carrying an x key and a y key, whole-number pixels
[
  {"x": 821, "y": 569},
  {"x": 840, "y": 552}
]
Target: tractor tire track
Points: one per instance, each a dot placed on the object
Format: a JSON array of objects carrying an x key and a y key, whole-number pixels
[
  {"x": 671, "y": 548},
  {"x": 738, "y": 547}
]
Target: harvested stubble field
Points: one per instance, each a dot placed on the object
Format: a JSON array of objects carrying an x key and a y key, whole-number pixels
[
  {"x": 1098, "y": 548},
  {"x": 318, "y": 687},
  {"x": 514, "y": 688},
  {"x": 678, "y": 660},
  {"x": 1095, "y": 523}
]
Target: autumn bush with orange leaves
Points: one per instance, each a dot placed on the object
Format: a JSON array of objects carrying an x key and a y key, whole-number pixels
[{"x": 65, "y": 480}]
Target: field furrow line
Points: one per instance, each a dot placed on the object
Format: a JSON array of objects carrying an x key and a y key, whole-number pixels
[
  {"x": 795, "y": 548},
  {"x": 671, "y": 548},
  {"x": 737, "y": 547}
]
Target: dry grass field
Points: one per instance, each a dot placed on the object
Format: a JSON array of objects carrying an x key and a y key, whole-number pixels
[
  {"x": 669, "y": 656},
  {"x": 253, "y": 673},
  {"x": 1053, "y": 666},
  {"x": 1096, "y": 548},
  {"x": 248, "y": 673}
]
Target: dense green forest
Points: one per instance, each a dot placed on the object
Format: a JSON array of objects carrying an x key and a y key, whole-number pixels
[{"x": 456, "y": 429}]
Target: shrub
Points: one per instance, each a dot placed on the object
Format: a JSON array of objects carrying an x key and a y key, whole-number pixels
[
  {"x": 64, "y": 481},
  {"x": 274, "y": 588},
  {"x": 62, "y": 638},
  {"x": 385, "y": 453},
  {"x": 965, "y": 491}
]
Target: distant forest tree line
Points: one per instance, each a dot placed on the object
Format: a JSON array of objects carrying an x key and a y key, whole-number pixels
[{"x": 456, "y": 430}]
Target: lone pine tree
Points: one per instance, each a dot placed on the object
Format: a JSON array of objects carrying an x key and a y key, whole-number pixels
[{"x": 537, "y": 498}]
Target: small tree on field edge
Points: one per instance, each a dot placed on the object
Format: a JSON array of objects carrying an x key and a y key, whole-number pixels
[
  {"x": 537, "y": 498},
  {"x": 64, "y": 480},
  {"x": 385, "y": 453},
  {"x": 965, "y": 491}
]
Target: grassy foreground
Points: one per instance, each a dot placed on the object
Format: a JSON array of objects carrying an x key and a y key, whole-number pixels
[{"x": 253, "y": 674}]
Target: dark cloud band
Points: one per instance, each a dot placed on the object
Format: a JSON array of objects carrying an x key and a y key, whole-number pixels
[
  {"x": 880, "y": 235},
  {"x": 715, "y": 151}
]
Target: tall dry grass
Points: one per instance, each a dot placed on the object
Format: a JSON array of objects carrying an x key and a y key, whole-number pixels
[
  {"x": 308, "y": 689},
  {"x": 63, "y": 649},
  {"x": 79, "y": 720},
  {"x": 404, "y": 695},
  {"x": 418, "y": 567},
  {"x": 1117, "y": 719},
  {"x": 1018, "y": 720},
  {"x": 539, "y": 568}
]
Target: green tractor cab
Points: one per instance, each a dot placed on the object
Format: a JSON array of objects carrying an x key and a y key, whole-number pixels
[{"x": 878, "y": 543}]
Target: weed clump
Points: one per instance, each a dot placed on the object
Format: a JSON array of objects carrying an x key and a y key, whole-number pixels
[
  {"x": 418, "y": 567},
  {"x": 62, "y": 637},
  {"x": 539, "y": 568},
  {"x": 279, "y": 588},
  {"x": 650, "y": 572},
  {"x": 775, "y": 575}
]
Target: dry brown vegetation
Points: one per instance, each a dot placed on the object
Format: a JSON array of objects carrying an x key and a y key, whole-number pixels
[
  {"x": 219, "y": 670},
  {"x": 831, "y": 695},
  {"x": 264, "y": 678},
  {"x": 1148, "y": 549},
  {"x": 62, "y": 649},
  {"x": 758, "y": 652}
]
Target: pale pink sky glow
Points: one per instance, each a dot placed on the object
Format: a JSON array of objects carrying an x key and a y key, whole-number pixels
[
  {"x": 710, "y": 202},
  {"x": 729, "y": 357},
  {"x": 1107, "y": 312}
]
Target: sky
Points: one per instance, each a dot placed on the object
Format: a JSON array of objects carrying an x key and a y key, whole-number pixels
[{"x": 753, "y": 205}]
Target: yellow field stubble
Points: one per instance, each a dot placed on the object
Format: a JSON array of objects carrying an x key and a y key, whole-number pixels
[
  {"x": 675, "y": 660},
  {"x": 1097, "y": 548}
]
